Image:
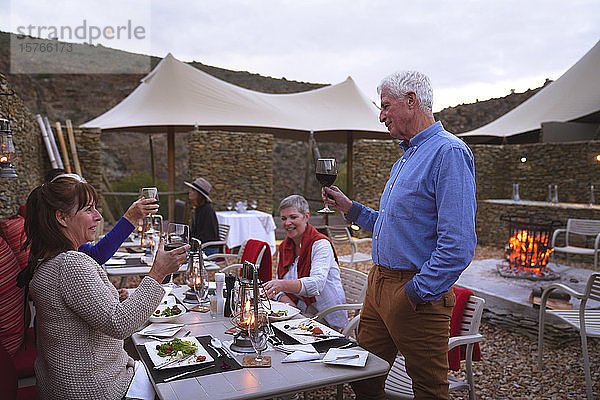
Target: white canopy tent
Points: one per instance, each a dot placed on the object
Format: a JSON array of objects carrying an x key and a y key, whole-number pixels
[
  {"x": 572, "y": 97},
  {"x": 175, "y": 96}
]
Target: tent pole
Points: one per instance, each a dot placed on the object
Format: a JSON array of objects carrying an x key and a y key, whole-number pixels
[
  {"x": 171, "y": 166},
  {"x": 349, "y": 164},
  {"x": 307, "y": 166},
  {"x": 152, "y": 167}
]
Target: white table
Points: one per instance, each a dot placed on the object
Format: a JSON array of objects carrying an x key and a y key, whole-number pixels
[
  {"x": 124, "y": 272},
  {"x": 252, "y": 224},
  {"x": 253, "y": 383}
]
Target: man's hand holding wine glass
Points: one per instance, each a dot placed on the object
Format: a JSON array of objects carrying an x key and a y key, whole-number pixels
[
  {"x": 167, "y": 262},
  {"x": 333, "y": 197}
]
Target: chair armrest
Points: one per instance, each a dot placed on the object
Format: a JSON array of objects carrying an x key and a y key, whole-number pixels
[
  {"x": 221, "y": 255},
  {"x": 555, "y": 235},
  {"x": 214, "y": 243},
  {"x": 567, "y": 289},
  {"x": 338, "y": 307},
  {"x": 466, "y": 339},
  {"x": 363, "y": 240},
  {"x": 596, "y": 241},
  {"x": 351, "y": 327}
]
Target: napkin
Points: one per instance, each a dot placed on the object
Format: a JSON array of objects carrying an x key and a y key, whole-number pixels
[
  {"x": 140, "y": 387},
  {"x": 116, "y": 261},
  {"x": 301, "y": 356}
]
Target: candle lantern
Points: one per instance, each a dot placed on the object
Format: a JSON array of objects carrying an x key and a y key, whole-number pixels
[
  {"x": 196, "y": 274},
  {"x": 246, "y": 307},
  {"x": 7, "y": 150}
]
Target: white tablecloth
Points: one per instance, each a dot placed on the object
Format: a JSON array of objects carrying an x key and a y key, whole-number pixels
[{"x": 252, "y": 224}]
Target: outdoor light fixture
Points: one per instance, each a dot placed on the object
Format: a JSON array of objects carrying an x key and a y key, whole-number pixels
[
  {"x": 7, "y": 150},
  {"x": 598, "y": 158},
  {"x": 523, "y": 159}
]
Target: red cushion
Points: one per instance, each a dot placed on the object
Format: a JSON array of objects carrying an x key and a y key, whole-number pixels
[
  {"x": 25, "y": 356},
  {"x": 8, "y": 376},
  {"x": 12, "y": 322},
  {"x": 12, "y": 230}
]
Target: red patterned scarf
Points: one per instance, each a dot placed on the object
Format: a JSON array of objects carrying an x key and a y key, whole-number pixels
[{"x": 287, "y": 255}]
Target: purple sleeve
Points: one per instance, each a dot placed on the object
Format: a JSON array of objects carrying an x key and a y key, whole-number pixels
[{"x": 110, "y": 243}]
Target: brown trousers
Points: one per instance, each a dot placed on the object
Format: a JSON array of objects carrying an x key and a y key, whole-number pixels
[{"x": 389, "y": 323}]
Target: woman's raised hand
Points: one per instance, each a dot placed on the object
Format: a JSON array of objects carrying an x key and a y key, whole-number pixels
[
  {"x": 139, "y": 209},
  {"x": 167, "y": 262}
]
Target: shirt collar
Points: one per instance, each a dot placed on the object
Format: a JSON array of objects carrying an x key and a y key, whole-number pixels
[{"x": 422, "y": 136}]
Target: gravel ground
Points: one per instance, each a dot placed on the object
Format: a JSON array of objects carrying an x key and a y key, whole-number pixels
[{"x": 508, "y": 369}]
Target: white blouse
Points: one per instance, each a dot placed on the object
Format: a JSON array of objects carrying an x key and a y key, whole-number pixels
[{"x": 324, "y": 283}]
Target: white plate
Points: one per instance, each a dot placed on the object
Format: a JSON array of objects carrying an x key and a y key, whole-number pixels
[
  {"x": 361, "y": 361},
  {"x": 116, "y": 261},
  {"x": 161, "y": 330},
  {"x": 161, "y": 307},
  {"x": 157, "y": 360},
  {"x": 297, "y": 333},
  {"x": 280, "y": 306}
]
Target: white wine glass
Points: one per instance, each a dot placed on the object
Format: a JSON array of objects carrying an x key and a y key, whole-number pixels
[
  {"x": 149, "y": 193},
  {"x": 258, "y": 333},
  {"x": 326, "y": 173},
  {"x": 177, "y": 235}
]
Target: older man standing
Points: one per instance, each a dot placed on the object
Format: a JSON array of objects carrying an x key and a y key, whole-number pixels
[{"x": 423, "y": 238}]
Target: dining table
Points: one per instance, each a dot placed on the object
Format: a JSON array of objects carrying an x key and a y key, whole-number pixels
[
  {"x": 249, "y": 224},
  {"x": 238, "y": 382}
]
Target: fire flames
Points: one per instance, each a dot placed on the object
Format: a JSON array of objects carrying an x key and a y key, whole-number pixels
[
  {"x": 247, "y": 316},
  {"x": 529, "y": 252}
]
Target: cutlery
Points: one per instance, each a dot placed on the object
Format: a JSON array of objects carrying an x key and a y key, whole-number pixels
[
  {"x": 348, "y": 345},
  {"x": 161, "y": 330},
  {"x": 177, "y": 359},
  {"x": 189, "y": 372},
  {"x": 168, "y": 339},
  {"x": 216, "y": 344},
  {"x": 318, "y": 336},
  {"x": 349, "y": 357}
]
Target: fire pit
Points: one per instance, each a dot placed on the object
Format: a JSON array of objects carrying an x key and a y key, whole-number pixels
[{"x": 528, "y": 248}]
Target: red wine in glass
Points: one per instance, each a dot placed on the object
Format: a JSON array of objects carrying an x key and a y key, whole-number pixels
[{"x": 326, "y": 173}]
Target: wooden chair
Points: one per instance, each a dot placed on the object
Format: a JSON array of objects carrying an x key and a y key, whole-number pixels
[
  {"x": 222, "y": 242},
  {"x": 340, "y": 235},
  {"x": 354, "y": 284},
  {"x": 399, "y": 385},
  {"x": 587, "y": 322}
]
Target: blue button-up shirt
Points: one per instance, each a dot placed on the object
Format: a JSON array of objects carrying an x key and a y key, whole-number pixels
[{"x": 426, "y": 217}]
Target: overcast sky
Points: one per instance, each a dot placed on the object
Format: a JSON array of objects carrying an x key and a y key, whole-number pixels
[{"x": 470, "y": 49}]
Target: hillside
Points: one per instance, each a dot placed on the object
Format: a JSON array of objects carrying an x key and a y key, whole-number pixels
[{"x": 81, "y": 97}]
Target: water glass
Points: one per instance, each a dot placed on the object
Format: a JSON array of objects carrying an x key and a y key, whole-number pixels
[
  {"x": 515, "y": 192},
  {"x": 212, "y": 299}
]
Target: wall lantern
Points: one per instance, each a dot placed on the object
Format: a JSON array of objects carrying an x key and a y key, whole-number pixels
[
  {"x": 523, "y": 159},
  {"x": 598, "y": 158},
  {"x": 7, "y": 150}
]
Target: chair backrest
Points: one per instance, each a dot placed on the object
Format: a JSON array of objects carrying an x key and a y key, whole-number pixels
[
  {"x": 472, "y": 316},
  {"x": 354, "y": 283},
  {"x": 223, "y": 232},
  {"x": 584, "y": 227},
  {"x": 592, "y": 289},
  {"x": 338, "y": 234}
]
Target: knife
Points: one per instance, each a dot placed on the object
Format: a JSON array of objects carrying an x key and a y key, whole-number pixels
[
  {"x": 349, "y": 357},
  {"x": 178, "y": 359},
  {"x": 318, "y": 336},
  {"x": 189, "y": 372}
]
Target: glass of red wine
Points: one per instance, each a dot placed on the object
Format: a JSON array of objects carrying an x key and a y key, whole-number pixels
[
  {"x": 177, "y": 235},
  {"x": 326, "y": 172},
  {"x": 149, "y": 193}
]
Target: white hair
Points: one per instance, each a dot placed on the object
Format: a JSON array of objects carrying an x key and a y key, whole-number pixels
[
  {"x": 400, "y": 83},
  {"x": 296, "y": 201}
]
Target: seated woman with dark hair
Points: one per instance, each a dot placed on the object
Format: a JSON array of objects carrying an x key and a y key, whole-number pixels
[
  {"x": 307, "y": 271},
  {"x": 81, "y": 323}
]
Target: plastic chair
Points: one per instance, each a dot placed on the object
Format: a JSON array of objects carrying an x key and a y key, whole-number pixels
[
  {"x": 399, "y": 385},
  {"x": 222, "y": 242},
  {"x": 587, "y": 322},
  {"x": 340, "y": 235},
  {"x": 354, "y": 284}
]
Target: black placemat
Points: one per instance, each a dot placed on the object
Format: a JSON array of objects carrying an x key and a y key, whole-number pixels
[
  {"x": 221, "y": 364},
  {"x": 322, "y": 346}
]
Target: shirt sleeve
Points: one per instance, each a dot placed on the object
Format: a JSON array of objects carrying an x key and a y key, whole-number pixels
[
  {"x": 96, "y": 301},
  {"x": 110, "y": 243},
  {"x": 362, "y": 216},
  {"x": 456, "y": 238},
  {"x": 321, "y": 260}
]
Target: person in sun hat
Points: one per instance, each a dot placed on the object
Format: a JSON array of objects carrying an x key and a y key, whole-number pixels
[{"x": 205, "y": 226}]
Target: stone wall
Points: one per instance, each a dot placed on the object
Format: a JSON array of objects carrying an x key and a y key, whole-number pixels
[
  {"x": 239, "y": 166},
  {"x": 30, "y": 161},
  {"x": 89, "y": 153}
]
